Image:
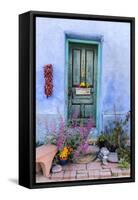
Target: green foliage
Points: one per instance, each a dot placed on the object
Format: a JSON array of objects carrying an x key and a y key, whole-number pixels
[
  {"x": 123, "y": 164},
  {"x": 102, "y": 140},
  {"x": 115, "y": 134},
  {"x": 107, "y": 140},
  {"x": 124, "y": 153},
  {"x": 74, "y": 140}
]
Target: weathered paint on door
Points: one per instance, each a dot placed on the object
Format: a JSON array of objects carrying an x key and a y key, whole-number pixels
[{"x": 82, "y": 68}]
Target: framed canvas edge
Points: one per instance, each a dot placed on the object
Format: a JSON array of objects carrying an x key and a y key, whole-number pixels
[{"x": 32, "y": 15}]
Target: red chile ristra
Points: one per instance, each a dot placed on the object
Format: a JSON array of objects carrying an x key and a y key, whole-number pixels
[{"x": 48, "y": 75}]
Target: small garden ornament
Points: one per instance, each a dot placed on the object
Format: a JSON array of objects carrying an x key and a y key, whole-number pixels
[{"x": 103, "y": 155}]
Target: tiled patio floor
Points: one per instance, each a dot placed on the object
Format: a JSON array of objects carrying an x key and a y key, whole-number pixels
[{"x": 93, "y": 170}]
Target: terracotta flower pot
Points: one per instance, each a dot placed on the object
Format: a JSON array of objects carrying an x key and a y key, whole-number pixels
[{"x": 84, "y": 159}]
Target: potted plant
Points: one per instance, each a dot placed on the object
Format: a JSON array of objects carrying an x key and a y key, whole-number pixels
[
  {"x": 64, "y": 154},
  {"x": 102, "y": 141}
]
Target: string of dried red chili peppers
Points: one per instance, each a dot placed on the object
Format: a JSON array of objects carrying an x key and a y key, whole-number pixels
[{"x": 48, "y": 75}]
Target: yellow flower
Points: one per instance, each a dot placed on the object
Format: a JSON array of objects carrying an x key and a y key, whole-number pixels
[
  {"x": 64, "y": 153},
  {"x": 65, "y": 149},
  {"x": 82, "y": 84}
]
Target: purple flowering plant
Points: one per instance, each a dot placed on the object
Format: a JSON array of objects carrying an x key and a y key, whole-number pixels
[{"x": 74, "y": 136}]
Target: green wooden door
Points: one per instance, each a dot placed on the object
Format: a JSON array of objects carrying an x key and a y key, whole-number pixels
[{"x": 82, "y": 83}]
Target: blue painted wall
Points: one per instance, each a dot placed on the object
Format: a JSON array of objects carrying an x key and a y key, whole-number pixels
[{"x": 51, "y": 37}]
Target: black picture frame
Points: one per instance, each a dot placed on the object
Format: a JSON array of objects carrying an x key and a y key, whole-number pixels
[{"x": 27, "y": 78}]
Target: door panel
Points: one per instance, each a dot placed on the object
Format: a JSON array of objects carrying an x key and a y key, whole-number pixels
[
  {"x": 89, "y": 67},
  {"x": 89, "y": 110},
  {"x": 76, "y": 54},
  {"x": 82, "y": 68},
  {"x": 82, "y": 101},
  {"x": 75, "y": 109}
]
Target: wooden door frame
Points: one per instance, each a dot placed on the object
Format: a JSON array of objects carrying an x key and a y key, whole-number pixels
[{"x": 99, "y": 72}]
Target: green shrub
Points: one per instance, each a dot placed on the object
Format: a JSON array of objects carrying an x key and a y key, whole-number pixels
[
  {"x": 107, "y": 140},
  {"x": 124, "y": 153},
  {"x": 115, "y": 134},
  {"x": 102, "y": 140},
  {"x": 123, "y": 164}
]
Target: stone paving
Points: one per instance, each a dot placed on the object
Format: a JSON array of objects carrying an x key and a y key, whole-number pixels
[{"x": 93, "y": 170}]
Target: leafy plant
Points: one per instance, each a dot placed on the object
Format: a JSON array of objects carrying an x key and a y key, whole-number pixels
[
  {"x": 102, "y": 140},
  {"x": 120, "y": 129},
  {"x": 124, "y": 153},
  {"x": 83, "y": 138},
  {"x": 77, "y": 135},
  {"x": 115, "y": 134},
  {"x": 123, "y": 164},
  {"x": 74, "y": 136}
]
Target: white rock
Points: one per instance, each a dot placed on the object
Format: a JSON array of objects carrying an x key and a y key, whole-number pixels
[{"x": 56, "y": 168}]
